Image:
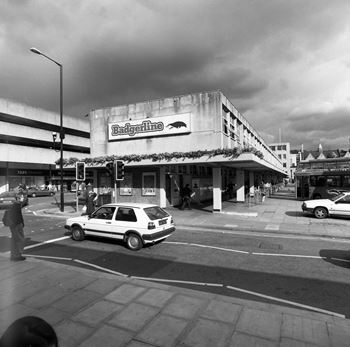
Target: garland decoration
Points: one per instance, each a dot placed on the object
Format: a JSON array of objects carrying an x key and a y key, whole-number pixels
[{"x": 226, "y": 152}]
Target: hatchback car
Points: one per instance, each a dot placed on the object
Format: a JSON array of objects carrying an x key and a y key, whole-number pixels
[
  {"x": 134, "y": 223},
  {"x": 34, "y": 191},
  {"x": 7, "y": 198},
  {"x": 338, "y": 205}
]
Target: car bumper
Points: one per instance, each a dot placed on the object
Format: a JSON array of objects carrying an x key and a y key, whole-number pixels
[{"x": 147, "y": 238}]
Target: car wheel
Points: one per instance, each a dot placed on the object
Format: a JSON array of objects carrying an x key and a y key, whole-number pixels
[
  {"x": 134, "y": 242},
  {"x": 320, "y": 212},
  {"x": 78, "y": 233},
  {"x": 33, "y": 195}
]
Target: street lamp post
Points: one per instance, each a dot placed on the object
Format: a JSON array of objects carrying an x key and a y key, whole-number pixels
[{"x": 36, "y": 51}]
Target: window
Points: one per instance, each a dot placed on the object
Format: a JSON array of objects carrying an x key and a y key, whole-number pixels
[
  {"x": 155, "y": 212},
  {"x": 104, "y": 213},
  {"x": 126, "y": 214},
  {"x": 344, "y": 200},
  {"x": 126, "y": 184},
  {"x": 149, "y": 183},
  {"x": 279, "y": 148}
]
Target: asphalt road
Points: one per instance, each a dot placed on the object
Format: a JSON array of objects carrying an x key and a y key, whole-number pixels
[{"x": 310, "y": 273}]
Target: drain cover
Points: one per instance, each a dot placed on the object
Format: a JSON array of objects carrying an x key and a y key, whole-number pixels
[{"x": 269, "y": 245}]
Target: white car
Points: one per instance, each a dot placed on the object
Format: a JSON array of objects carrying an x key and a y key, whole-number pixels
[
  {"x": 321, "y": 208},
  {"x": 134, "y": 223}
]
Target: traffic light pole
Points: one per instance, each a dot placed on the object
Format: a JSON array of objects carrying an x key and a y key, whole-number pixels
[{"x": 115, "y": 191}]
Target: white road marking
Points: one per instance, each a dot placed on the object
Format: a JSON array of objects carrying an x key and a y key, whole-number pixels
[
  {"x": 272, "y": 227},
  {"x": 206, "y": 246},
  {"x": 287, "y": 302},
  {"x": 100, "y": 267},
  {"x": 289, "y": 255},
  {"x": 46, "y": 242}
]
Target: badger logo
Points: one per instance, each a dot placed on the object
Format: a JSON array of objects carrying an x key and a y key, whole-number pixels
[{"x": 176, "y": 125}]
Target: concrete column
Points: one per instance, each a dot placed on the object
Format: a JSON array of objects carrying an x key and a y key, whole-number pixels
[
  {"x": 217, "y": 203},
  {"x": 240, "y": 185},
  {"x": 162, "y": 192},
  {"x": 251, "y": 182}
]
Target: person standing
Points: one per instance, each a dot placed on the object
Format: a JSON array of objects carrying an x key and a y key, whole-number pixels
[
  {"x": 16, "y": 223},
  {"x": 90, "y": 202},
  {"x": 186, "y": 197}
]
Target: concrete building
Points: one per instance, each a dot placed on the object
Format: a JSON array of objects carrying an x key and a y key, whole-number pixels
[
  {"x": 27, "y": 151},
  {"x": 197, "y": 139},
  {"x": 282, "y": 150}
]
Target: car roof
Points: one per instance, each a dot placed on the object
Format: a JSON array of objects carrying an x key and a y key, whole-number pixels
[{"x": 131, "y": 204}]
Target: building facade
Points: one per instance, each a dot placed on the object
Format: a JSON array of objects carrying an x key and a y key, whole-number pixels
[
  {"x": 322, "y": 173},
  {"x": 282, "y": 150},
  {"x": 196, "y": 139},
  {"x": 27, "y": 150}
]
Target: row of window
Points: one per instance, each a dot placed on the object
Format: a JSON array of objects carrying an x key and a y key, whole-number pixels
[{"x": 279, "y": 148}]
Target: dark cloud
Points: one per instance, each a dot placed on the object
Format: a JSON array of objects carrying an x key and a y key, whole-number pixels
[{"x": 118, "y": 52}]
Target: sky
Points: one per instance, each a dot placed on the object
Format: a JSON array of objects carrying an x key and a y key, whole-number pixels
[{"x": 284, "y": 64}]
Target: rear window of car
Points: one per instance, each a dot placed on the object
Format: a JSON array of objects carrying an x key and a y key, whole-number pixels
[
  {"x": 155, "y": 212},
  {"x": 126, "y": 214}
]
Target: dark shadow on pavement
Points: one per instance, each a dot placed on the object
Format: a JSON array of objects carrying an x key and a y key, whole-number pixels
[
  {"x": 336, "y": 257},
  {"x": 295, "y": 214}
]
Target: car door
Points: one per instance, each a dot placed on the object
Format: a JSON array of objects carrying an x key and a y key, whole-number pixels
[
  {"x": 125, "y": 219},
  {"x": 342, "y": 206},
  {"x": 100, "y": 222}
]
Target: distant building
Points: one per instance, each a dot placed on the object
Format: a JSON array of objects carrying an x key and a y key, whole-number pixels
[
  {"x": 27, "y": 151},
  {"x": 322, "y": 173},
  {"x": 282, "y": 150}
]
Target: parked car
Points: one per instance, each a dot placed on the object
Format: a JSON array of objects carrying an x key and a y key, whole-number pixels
[
  {"x": 34, "y": 191},
  {"x": 321, "y": 208},
  {"x": 134, "y": 223},
  {"x": 7, "y": 198}
]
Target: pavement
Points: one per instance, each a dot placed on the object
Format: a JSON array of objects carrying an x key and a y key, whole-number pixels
[{"x": 93, "y": 308}]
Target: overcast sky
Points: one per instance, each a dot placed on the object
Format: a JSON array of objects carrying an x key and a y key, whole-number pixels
[{"x": 284, "y": 64}]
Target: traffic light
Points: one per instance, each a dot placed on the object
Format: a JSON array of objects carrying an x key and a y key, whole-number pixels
[
  {"x": 80, "y": 171},
  {"x": 119, "y": 170},
  {"x": 110, "y": 169}
]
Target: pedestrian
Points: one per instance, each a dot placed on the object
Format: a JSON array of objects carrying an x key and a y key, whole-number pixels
[
  {"x": 90, "y": 202},
  {"x": 29, "y": 331},
  {"x": 186, "y": 197},
  {"x": 14, "y": 220}
]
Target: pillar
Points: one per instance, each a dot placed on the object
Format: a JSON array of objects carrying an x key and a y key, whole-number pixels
[
  {"x": 217, "y": 203},
  {"x": 251, "y": 182},
  {"x": 240, "y": 185},
  {"x": 162, "y": 191}
]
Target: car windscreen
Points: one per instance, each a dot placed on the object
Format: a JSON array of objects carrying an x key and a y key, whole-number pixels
[
  {"x": 334, "y": 198},
  {"x": 155, "y": 212}
]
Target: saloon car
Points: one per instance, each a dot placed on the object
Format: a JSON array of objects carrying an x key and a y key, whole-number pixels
[
  {"x": 135, "y": 223},
  {"x": 7, "y": 198},
  {"x": 338, "y": 205},
  {"x": 34, "y": 192}
]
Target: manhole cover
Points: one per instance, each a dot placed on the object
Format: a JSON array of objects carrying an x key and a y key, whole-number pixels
[{"x": 268, "y": 245}]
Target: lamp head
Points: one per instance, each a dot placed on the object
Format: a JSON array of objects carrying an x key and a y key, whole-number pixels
[
  {"x": 54, "y": 136},
  {"x": 35, "y": 50}
]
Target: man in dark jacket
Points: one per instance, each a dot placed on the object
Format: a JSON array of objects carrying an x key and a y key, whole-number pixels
[
  {"x": 16, "y": 225},
  {"x": 186, "y": 197}
]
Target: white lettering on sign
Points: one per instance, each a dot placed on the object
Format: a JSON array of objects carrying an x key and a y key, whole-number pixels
[{"x": 157, "y": 126}]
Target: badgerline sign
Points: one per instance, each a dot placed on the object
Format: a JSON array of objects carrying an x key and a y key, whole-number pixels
[{"x": 158, "y": 126}]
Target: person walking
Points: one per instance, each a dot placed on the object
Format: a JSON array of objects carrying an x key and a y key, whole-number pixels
[
  {"x": 186, "y": 197},
  {"x": 15, "y": 221}
]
